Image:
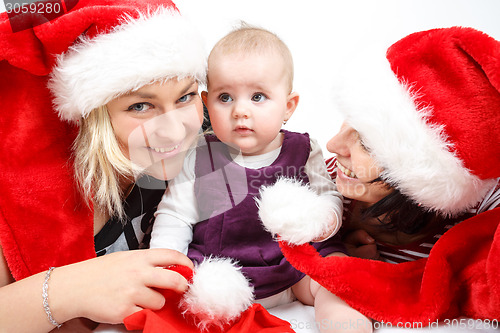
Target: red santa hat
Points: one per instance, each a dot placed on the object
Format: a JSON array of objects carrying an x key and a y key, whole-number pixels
[
  {"x": 429, "y": 115},
  {"x": 217, "y": 300},
  {"x": 431, "y": 119},
  {"x": 154, "y": 46}
]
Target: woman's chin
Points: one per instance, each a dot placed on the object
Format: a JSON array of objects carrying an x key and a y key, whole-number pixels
[
  {"x": 352, "y": 191},
  {"x": 368, "y": 192},
  {"x": 166, "y": 169}
]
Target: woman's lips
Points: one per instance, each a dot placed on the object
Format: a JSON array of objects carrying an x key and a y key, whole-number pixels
[
  {"x": 165, "y": 152},
  {"x": 347, "y": 172}
]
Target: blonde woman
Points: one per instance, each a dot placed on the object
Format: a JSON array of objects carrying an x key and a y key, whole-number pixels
[{"x": 129, "y": 86}]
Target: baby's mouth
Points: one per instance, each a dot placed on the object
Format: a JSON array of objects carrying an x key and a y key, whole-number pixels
[{"x": 243, "y": 129}]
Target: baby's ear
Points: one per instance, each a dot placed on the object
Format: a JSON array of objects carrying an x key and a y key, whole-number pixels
[
  {"x": 204, "y": 95},
  {"x": 292, "y": 102}
]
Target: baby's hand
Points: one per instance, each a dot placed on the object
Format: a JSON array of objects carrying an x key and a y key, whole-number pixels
[
  {"x": 360, "y": 244},
  {"x": 329, "y": 232}
]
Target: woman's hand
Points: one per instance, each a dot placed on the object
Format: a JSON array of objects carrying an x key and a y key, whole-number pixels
[
  {"x": 361, "y": 245},
  {"x": 109, "y": 288}
]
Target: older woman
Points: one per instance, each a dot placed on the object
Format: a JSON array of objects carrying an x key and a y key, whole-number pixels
[{"x": 419, "y": 153}]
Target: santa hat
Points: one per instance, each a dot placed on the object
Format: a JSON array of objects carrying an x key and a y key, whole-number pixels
[
  {"x": 218, "y": 299},
  {"x": 157, "y": 45},
  {"x": 429, "y": 115}
]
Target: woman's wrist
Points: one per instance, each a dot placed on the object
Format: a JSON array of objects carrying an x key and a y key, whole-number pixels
[
  {"x": 45, "y": 296},
  {"x": 62, "y": 302}
]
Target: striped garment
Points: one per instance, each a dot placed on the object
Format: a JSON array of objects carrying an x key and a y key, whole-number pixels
[
  {"x": 135, "y": 231},
  {"x": 421, "y": 248}
]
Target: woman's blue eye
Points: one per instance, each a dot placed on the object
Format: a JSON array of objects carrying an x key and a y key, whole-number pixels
[
  {"x": 225, "y": 98},
  {"x": 363, "y": 146},
  {"x": 139, "y": 107},
  {"x": 186, "y": 98},
  {"x": 258, "y": 97}
]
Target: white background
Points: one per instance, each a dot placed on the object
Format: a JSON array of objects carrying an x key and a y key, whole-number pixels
[{"x": 323, "y": 34}]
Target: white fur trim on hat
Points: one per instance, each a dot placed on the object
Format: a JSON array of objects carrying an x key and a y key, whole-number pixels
[
  {"x": 294, "y": 212},
  {"x": 218, "y": 294},
  {"x": 416, "y": 157},
  {"x": 154, "y": 47}
]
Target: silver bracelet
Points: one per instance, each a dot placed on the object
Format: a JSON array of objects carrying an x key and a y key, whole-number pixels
[{"x": 45, "y": 296}]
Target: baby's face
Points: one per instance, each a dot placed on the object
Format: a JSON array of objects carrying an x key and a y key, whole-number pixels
[{"x": 248, "y": 99}]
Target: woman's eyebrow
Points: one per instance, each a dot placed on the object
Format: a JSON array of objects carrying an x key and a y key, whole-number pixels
[
  {"x": 147, "y": 95},
  {"x": 141, "y": 95},
  {"x": 187, "y": 87}
]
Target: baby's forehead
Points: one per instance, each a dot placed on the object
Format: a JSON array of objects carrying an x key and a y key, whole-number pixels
[
  {"x": 241, "y": 54},
  {"x": 218, "y": 58},
  {"x": 249, "y": 64},
  {"x": 255, "y": 43}
]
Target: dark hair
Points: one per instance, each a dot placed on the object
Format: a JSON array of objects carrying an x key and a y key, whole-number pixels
[{"x": 401, "y": 213}]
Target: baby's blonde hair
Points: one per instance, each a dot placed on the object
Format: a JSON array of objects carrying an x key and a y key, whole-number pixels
[
  {"x": 249, "y": 39},
  {"x": 99, "y": 163}
]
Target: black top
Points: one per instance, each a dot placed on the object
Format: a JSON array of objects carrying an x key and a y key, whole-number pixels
[{"x": 135, "y": 231}]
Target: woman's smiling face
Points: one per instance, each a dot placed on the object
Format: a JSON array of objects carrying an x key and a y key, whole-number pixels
[
  {"x": 156, "y": 125},
  {"x": 356, "y": 169}
]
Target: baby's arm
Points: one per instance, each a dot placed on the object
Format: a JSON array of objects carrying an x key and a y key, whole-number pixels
[
  {"x": 171, "y": 232},
  {"x": 332, "y": 314},
  {"x": 177, "y": 212},
  {"x": 321, "y": 182}
]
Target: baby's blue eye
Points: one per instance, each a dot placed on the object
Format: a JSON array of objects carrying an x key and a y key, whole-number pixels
[
  {"x": 139, "y": 107},
  {"x": 225, "y": 98},
  {"x": 258, "y": 97}
]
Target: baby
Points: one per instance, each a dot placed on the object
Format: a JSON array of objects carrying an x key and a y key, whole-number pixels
[{"x": 210, "y": 209}]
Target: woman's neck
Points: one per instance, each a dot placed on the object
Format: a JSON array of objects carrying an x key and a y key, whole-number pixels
[
  {"x": 126, "y": 185},
  {"x": 100, "y": 218}
]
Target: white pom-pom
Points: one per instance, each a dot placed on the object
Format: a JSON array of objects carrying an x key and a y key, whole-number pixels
[
  {"x": 295, "y": 212},
  {"x": 218, "y": 293}
]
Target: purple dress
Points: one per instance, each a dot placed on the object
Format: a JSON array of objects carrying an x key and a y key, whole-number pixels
[{"x": 230, "y": 226}]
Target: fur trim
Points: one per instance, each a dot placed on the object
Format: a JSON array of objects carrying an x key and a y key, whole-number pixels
[
  {"x": 218, "y": 293},
  {"x": 416, "y": 157},
  {"x": 294, "y": 212},
  {"x": 154, "y": 47}
]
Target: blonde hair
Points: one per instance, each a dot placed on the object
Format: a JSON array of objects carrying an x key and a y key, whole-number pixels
[
  {"x": 249, "y": 39},
  {"x": 99, "y": 163}
]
